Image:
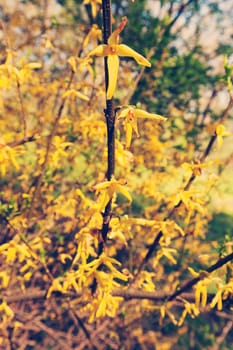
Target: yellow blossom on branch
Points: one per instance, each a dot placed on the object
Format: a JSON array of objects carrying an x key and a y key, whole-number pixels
[
  {"x": 223, "y": 292},
  {"x": 6, "y": 313},
  {"x": 164, "y": 310},
  {"x": 220, "y": 132},
  {"x": 20, "y": 74},
  {"x": 131, "y": 115},
  {"x": 74, "y": 93},
  {"x": 8, "y": 156},
  {"x": 201, "y": 292},
  {"x": 112, "y": 50},
  {"x": 189, "y": 309},
  {"x": 94, "y": 6},
  {"x": 95, "y": 33},
  {"x": 80, "y": 64},
  {"x": 108, "y": 189},
  {"x": 195, "y": 168}
]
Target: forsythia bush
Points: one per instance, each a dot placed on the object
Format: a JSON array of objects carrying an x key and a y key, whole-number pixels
[{"x": 104, "y": 223}]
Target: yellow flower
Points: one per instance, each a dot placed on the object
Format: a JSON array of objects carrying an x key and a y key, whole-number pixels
[
  {"x": 220, "y": 132},
  {"x": 131, "y": 115},
  {"x": 112, "y": 50},
  {"x": 195, "y": 168},
  {"x": 6, "y": 313},
  {"x": 95, "y": 33},
  {"x": 108, "y": 189},
  {"x": 75, "y": 93},
  {"x": 189, "y": 309},
  {"x": 94, "y": 6}
]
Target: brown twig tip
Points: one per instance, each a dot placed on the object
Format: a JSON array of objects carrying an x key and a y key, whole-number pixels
[{"x": 122, "y": 25}]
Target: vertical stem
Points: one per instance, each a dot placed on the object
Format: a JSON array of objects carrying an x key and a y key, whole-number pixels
[
  {"x": 109, "y": 111},
  {"x": 110, "y": 122}
]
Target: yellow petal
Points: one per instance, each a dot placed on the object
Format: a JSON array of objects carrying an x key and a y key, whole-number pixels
[
  {"x": 220, "y": 129},
  {"x": 193, "y": 272},
  {"x": 126, "y": 51},
  {"x": 134, "y": 124},
  {"x": 143, "y": 114},
  {"x": 128, "y": 137},
  {"x": 102, "y": 185},
  {"x": 121, "y": 189},
  {"x": 101, "y": 50},
  {"x": 220, "y": 141},
  {"x": 73, "y": 92},
  {"x": 113, "y": 65},
  {"x": 123, "y": 113},
  {"x": 34, "y": 65},
  {"x": 72, "y": 62}
]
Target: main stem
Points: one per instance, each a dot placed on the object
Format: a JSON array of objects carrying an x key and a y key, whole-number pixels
[{"x": 110, "y": 122}]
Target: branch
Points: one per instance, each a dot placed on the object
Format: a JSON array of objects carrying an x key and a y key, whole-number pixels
[
  {"x": 153, "y": 247},
  {"x": 126, "y": 293},
  {"x": 179, "y": 13},
  {"x": 79, "y": 323},
  {"x": 214, "y": 136},
  {"x": 110, "y": 122},
  {"x": 191, "y": 283},
  {"x": 22, "y": 141},
  {"x": 167, "y": 30},
  {"x": 220, "y": 339}
]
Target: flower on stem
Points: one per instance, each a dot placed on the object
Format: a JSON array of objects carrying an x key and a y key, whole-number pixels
[
  {"x": 220, "y": 132},
  {"x": 75, "y": 93},
  {"x": 189, "y": 309},
  {"x": 108, "y": 189},
  {"x": 94, "y": 6},
  {"x": 195, "y": 168},
  {"x": 112, "y": 50},
  {"x": 131, "y": 114},
  {"x": 95, "y": 33}
]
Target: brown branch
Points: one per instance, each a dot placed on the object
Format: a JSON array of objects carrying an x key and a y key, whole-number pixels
[
  {"x": 214, "y": 136},
  {"x": 79, "y": 323},
  {"x": 220, "y": 339},
  {"x": 168, "y": 28},
  {"x": 127, "y": 293},
  {"x": 188, "y": 285},
  {"x": 124, "y": 293},
  {"x": 179, "y": 13},
  {"x": 206, "y": 111},
  {"x": 110, "y": 122},
  {"x": 22, "y": 141},
  {"x": 154, "y": 246}
]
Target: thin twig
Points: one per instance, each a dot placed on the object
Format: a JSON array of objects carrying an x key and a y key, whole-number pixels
[
  {"x": 188, "y": 285},
  {"x": 220, "y": 339},
  {"x": 153, "y": 247},
  {"x": 48, "y": 147},
  {"x": 22, "y": 141},
  {"x": 79, "y": 322}
]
